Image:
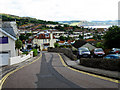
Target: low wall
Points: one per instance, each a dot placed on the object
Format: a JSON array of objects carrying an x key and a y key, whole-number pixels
[
  {"x": 19, "y": 59},
  {"x": 68, "y": 52},
  {"x": 108, "y": 64},
  {"x": 15, "y": 60}
]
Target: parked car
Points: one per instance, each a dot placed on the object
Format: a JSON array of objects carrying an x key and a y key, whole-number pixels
[
  {"x": 98, "y": 52},
  {"x": 115, "y": 50},
  {"x": 84, "y": 52},
  {"x": 112, "y": 56}
]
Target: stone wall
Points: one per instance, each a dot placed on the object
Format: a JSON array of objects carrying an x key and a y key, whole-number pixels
[
  {"x": 108, "y": 64},
  {"x": 68, "y": 52}
]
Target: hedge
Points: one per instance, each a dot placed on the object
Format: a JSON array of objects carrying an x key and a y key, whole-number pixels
[{"x": 108, "y": 64}]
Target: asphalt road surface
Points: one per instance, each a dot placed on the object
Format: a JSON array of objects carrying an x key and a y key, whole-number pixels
[{"x": 49, "y": 72}]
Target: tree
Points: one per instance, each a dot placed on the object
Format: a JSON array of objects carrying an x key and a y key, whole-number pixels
[
  {"x": 62, "y": 38},
  {"x": 23, "y": 37},
  {"x": 97, "y": 37},
  {"x": 99, "y": 45},
  {"x": 18, "y": 44},
  {"x": 56, "y": 45},
  {"x": 81, "y": 37},
  {"x": 112, "y": 37}
]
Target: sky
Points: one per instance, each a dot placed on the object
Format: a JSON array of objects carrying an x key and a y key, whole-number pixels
[{"x": 62, "y": 10}]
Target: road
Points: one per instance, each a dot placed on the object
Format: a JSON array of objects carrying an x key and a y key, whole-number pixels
[{"x": 49, "y": 72}]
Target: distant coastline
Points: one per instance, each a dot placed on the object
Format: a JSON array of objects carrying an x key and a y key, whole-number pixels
[{"x": 101, "y": 26}]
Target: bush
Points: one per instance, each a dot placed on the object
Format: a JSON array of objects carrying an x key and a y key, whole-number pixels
[{"x": 35, "y": 53}]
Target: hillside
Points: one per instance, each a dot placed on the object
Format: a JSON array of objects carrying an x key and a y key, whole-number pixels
[
  {"x": 24, "y": 20},
  {"x": 87, "y": 23}
]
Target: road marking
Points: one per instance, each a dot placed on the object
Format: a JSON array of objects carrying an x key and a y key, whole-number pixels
[
  {"x": 97, "y": 76},
  {"x": 8, "y": 74}
]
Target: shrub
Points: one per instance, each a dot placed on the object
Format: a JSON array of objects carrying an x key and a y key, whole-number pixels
[{"x": 35, "y": 53}]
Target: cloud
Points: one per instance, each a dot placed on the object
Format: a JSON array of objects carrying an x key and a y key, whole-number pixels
[{"x": 62, "y": 9}]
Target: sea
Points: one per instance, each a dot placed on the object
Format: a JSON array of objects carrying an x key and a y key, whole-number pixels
[{"x": 105, "y": 26}]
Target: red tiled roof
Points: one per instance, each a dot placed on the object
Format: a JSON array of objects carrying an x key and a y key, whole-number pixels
[
  {"x": 61, "y": 41},
  {"x": 69, "y": 41},
  {"x": 43, "y": 36},
  {"x": 90, "y": 40},
  {"x": 46, "y": 44}
]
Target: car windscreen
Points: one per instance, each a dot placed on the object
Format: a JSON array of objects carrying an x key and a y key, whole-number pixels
[
  {"x": 99, "y": 50},
  {"x": 83, "y": 49}
]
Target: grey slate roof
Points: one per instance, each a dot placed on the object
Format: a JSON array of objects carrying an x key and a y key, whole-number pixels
[
  {"x": 7, "y": 27},
  {"x": 10, "y": 31}
]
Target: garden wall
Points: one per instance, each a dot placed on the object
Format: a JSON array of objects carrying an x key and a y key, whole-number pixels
[
  {"x": 19, "y": 59},
  {"x": 68, "y": 52}
]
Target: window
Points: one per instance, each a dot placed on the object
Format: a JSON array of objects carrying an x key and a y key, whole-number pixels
[
  {"x": 46, "y": 35},
  {"x": 3, "y": 40}
]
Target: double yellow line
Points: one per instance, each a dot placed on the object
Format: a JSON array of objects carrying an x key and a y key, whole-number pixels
[
  {"x": 8, "y": 74},
  {"x": 97, "y": 76}
]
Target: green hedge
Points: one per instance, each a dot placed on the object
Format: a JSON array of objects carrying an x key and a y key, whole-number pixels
[
  {"x": 108, "y": 64},
  {"x": 35, "y": 53}
]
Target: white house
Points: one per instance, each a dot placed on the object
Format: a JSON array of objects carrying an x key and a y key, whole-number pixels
[
  {"x": 8, "y": 33},
  {"x": 44, "y": 40}
]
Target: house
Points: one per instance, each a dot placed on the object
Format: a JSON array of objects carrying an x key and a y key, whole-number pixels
[
  {"x": 89, "y": 46},
  {"x": 91, "y": 41},
  {"x": 44, "y": 40},
  {"x": 51, "y": 25},
  {"x": 70, "y": 42},
  {"x": 83, "y": 43},
  {"x": 61, "y": 42},
  {"x": 8, "y": 32}
]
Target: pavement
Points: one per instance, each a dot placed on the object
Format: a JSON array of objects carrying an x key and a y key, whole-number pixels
[{"x": 76, "y": 65}]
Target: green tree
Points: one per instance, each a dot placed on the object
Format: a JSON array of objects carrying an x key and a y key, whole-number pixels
[
  {"x": 23, "y": 37},
  {"x": 62, "y": 38},
  {"x": 99, "y": 45},
  {"x": 97, "y": 37},
  {"x": 112, "y": 37},
  {"x": 56, "y": 45},
  {"x": 18, "y": 44},
  {"x": 80, "y": 37}
]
